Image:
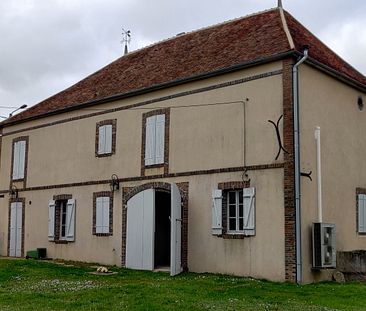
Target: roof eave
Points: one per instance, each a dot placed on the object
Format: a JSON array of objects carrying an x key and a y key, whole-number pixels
[
  {"x": 336, "y": 74},
  {"x": 156, "y": 87}
]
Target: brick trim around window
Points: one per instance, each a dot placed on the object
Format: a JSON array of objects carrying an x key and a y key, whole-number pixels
[
  {"x": 24, "y": 179},
  {"x": 112, "y": 122},
  {"x": 98, "y": 195},
  {"x": 166, "y": 112},
  {"x": 225, "y": 187},
  {"x": 129, "y": 192},
  {"x": 22, "y": 200},
  {"x": 56, "y": 198}
]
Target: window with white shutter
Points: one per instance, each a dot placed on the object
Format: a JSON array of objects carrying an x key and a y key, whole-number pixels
[
  {"x": 155, "y": 139},
  {"x": 61, "y": 219},
  {"x": 19, "y": 158},
  {"x": 103, "y": 213},
  {"x": 361, "y": 217},
  {"x": 233, "y": 210},
  {"x": 105, "y": 138}
]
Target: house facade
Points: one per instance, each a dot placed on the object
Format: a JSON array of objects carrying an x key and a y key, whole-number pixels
[{"x": 166, "y": 157}]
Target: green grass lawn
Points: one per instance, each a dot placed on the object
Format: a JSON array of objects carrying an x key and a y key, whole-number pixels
[{"x": 43, "y": 285}]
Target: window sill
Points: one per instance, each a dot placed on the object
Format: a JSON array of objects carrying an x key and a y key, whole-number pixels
[
  {"x": 154, "y": 165},
  {"x": 17, "y": 179},
  {"x": 102, "y": 234},
  {"x": 233, "y": 236},
  {"x": 60, "y": 242},
  {"x": 103, "y": 155}
]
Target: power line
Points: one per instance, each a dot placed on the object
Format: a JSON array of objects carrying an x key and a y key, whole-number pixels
[{"x": 173, "y": 107}]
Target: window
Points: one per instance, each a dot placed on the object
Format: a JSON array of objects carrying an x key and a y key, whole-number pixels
[
  {"x": 103, "y": 213},
  {"x": 233, "y": 211},
  {"x": 19, "y": 158},
  {"x": 63, "y": 214},
  {"x": 155, "y": 139},
  {"x": 361, "y": 213},
  {"x": 105, "y": 138},
  {"x": 61, "y": 219}
]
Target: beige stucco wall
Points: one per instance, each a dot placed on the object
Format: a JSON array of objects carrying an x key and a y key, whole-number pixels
[
  {"x": 209, "y": 134},
  {"x": 259, "y": 256},
  {"x": 201, "y": 138},
  {"x": 332, "y": 105}
]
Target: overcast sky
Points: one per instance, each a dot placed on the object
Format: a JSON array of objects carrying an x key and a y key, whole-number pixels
[{"x": 48, "y": 45}]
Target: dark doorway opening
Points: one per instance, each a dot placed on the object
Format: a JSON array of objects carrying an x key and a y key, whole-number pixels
[{"x": 162, "y": 229}]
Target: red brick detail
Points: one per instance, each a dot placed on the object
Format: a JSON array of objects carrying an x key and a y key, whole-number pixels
[
  {"x": 226, "y": 186},
  {"x": 95, "y": 196},
  {"x": 151, "y": 177},
  {"x": 23, "y": 223},
  {"x": 166, "y": 112},
  {"x": 112, "y": 122},
  {"x": 129, "y": 192},
  {"x": 23, "y": 180},
  {"x": 289, "y": 173}
]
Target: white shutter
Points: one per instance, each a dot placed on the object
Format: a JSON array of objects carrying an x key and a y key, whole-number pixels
[
  {"x": 362, "y": 213},
  {"x": 108, "y": 139},
  {"x": 51, "y": 220},
  {"x": 21, "y": 162},
  {"x": 102, "y": 215},
  {"x": 19, "y": 225},
  {"x": 16, "y": 158},
  {"x": 70, "y": 220},
  {"x": 217, "y": 212},
  {"x": 106, "y": 215},
  {"x": 99, "y": 215},
  {"x": 13, "y": 229},
  {"x": 150, "y": 140},
  {"x": 249, "y": 211},
  {"x": 160, "y": 139},
  {"x": 101, "y": 139}
]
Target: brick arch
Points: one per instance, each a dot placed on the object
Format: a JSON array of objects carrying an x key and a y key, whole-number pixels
[
  {"x": 151, "y": 185},
  {"x": 129, "y": 192}
]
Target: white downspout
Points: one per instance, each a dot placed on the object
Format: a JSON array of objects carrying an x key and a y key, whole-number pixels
[
  {"x": 295, "y": 87},
  {"x": 319, "y": 173}
]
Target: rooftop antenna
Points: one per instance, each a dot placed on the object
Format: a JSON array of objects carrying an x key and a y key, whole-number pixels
[
  {"x": 279, "y": 4},
  {"x": 126, "y": 39}
]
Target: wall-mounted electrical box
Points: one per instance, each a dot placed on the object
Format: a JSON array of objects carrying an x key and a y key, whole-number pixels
[{"x": 324, "y": 245}]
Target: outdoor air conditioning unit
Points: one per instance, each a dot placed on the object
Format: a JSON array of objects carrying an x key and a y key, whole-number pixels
[{"x": 324, "y": 245}]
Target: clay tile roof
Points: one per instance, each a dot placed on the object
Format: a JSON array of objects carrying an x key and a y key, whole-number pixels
[
  {"x": 319, "y": 51},
  {"x": 245, "y": 40}
]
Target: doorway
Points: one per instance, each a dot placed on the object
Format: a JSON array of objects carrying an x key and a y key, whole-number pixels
[
  {"x": 154, "y": 230},
  {"x": 162, "y": 230}
]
